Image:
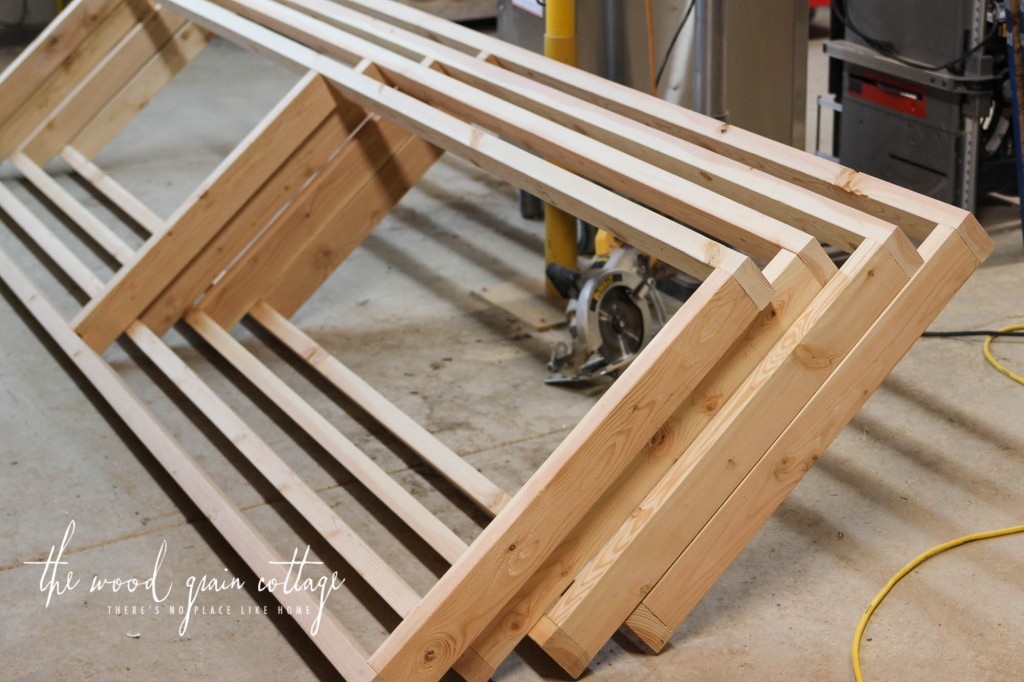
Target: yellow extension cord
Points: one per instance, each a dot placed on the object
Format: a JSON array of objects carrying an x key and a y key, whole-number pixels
[
  {"x": 862, "y": 626},
  {"x": 992, "y": 359}
]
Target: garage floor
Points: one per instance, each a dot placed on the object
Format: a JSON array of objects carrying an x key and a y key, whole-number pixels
[{"x": 937, "y": 453}]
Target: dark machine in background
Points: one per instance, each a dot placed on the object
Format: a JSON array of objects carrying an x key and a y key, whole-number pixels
[{"x": 923, "y": 95}]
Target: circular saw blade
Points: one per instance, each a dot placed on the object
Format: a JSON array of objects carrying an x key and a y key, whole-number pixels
[{"x": 621, "y": 325}]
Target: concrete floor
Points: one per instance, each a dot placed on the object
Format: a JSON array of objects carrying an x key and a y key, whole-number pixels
[{"x": 935, "y": 454}]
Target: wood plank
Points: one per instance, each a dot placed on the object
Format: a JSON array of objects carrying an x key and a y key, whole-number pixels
[
  {"x": 93, "y": 92},
  {"x": 332, "y": 245},
  {"x": 445, "y": 461},
  {"x": 365, "y": 470},
  {"x": 819, "y": 216},
  {"x": 567, "y": 486},
  {"x": 949, "y": 262},
  {"x": 326, "y": 202},
  {"x": 48, "y": 51},
  {"x": 916, "y": 214},
  {"x": 632, "y": 561},
  {"x": 658, "y": 236},
  {"x": 203, "y": 215},
  {"x": 186, "y": 45},
  {"x": 283, "y": 187},
  {"x": 336, "y": 643},
  {"x": 113, "y": 191},
  {"x": 377, "y": 573},
  {"x": 76, "y": 66},
  {"x": 748, "y": 230},
  {"x": 796, "y": 287},
  {"x": 69, "y": 206},
  {"x": 55, "y": 249}
]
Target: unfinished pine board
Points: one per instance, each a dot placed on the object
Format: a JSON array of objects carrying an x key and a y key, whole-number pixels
[
  {"x": 330, "y": 199},
  {"x": 113, "y": 191},
  {"x": 459, "y": 473},
  {"x": 310, "y": 268},
  {"x": 684, "y": 446},
  {"x": 202, "y": 216},
  {"x": 49, "y": 50},
  {"x": 608, "y": 590},
  {"x": 291, "y": 180},
  {"x": 824, "y": 219},
  {"x": 914, "y": 213},
  {"x": 334, "y": 641},
  {"x": 526, "y": 300},
  {"x": 572, "y": 481},
  {"x": 668, "y": 240},
  {"x": 93, "y": 92},
  {"x": 61, "y": 81},
  {"x": 796, "y": 287},
  {"x": 750, "y": 231},
  {"x": 178, "y": 53},
  {"x": 775, "y": 475}
]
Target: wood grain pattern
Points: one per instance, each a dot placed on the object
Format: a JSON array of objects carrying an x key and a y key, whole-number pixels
[
  {"x": 77, "y": 64},
  {"x": 137, "y": 285},
  {"x": 948, "y": 263},
  {"x": 567, "y": 486},
  {"x": 632, "y": 561},
  {"x": 151, "y": 79}
]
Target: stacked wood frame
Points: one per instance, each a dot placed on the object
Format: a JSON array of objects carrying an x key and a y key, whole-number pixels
[{"x": 653, "y": 494}]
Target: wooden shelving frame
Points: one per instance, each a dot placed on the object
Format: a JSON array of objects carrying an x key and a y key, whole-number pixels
[{"x": 651, "y": 496}]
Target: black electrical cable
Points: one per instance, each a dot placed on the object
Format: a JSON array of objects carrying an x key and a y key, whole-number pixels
[
  {"x": 21, "y": 20},
  {"x": 675, "y": 37},
  {"x": 976, "y": 332},
  {"x": 887, "y": 49}
]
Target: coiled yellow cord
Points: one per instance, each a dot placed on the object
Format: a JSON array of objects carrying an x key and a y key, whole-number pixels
[
  {"x": 992, "y": 359},
  {"x": 859, "y": 634}
]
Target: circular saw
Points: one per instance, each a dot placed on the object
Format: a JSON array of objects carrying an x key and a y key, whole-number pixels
[{"x": 614, "y": 310}]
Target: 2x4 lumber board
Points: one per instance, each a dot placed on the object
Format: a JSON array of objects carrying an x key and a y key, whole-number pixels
[
  {"x": 460, "y": 473},
  {"x": 322, "y": 203},
  {"x": 370, "y": 566},
  {"x": 637, "y": 555},
  {"x": 165, "y": 255},
  {"x": 406, "y": 507},
  {"x": 557, "y": 498},
  {"x": 819, "y": 216},
  {"x": 649, "y": 231},
  {"x": 744, "y": 228},
  {"x": 53, "y": 247},
  {"x": 113, "y": 191},
  {"x": 284, "y": 186},
  {"x": 48, "y": 51},
  {"x": 76, "y": 66},
  {"x": 336, "y": 643},
  {"x": 94, "y": 91},
  {"x": 62, "y": 199},
  {"x": 796, "y": 287},
  {"x": 336, "y": 214},
  {"x": 948, "y": 263},
  {"x": 377, "y": 573},
  {"x": 913, "y": 212},
  {"x": 186, "y": 45},
  {"x": 331, "y": 246}
]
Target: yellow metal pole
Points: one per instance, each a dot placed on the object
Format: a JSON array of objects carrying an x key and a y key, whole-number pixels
[{"x": 560, "y": 44}]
